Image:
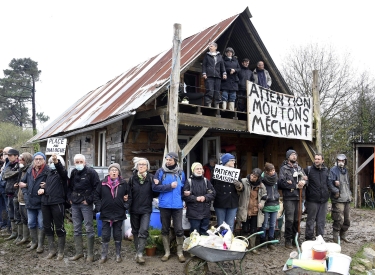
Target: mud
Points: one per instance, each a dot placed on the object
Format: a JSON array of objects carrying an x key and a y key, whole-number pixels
[{"x": 15, "y": 260}]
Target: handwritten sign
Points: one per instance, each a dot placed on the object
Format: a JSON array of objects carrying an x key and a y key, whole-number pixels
[
  {"x": 56, "y": 145},
  {"x": 279, "y": 115},
  {"x": 226, "y": 174}
]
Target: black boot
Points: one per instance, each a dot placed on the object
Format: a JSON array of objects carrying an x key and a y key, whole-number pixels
[
  {"x": 118, "y": 252},
  {"x": 34, "y": 239},
  {"x": 41, "y": 236},
  {"x": 263, "y": 240},
  {"x": 288, "y": 243},
  {"x": 51, "y": 247},
  {"x": 60, "y": 248},
  {"x": 103, "y": 258}
]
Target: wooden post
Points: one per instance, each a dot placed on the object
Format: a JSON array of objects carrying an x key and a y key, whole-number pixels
[
  {"x": 318, "y": 122},
  {"x": 172, "y": 128}
]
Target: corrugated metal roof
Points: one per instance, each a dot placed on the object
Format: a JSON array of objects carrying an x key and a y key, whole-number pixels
[{"x": 128, "y": 91}]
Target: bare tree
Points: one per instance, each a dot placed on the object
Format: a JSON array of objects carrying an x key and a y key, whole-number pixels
[{"x": 335, "y": 76}]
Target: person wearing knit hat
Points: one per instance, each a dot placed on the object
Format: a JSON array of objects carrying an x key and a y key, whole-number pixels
[
  {"x": 141, "y": 206},
  {"x": 112, "y": 199},
  {"x": 292, "y": 180},
  {"x": 169, "y": 181},
  {"x": 81, "y": 194},
  {"x": 226, "y": 201},
  {"x": 198, "y": 195}
]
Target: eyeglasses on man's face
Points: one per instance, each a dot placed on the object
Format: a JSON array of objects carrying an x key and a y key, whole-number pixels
[
  {"x": 142, "y": 164},
  {"x": 39, "y": 159}
]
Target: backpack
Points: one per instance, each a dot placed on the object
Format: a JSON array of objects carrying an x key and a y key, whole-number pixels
[
  {"x": 165, "y": 174},
  {"x": 205, "y": 181}
]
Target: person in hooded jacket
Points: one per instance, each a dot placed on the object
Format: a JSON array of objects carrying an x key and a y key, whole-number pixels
[
  {"x": 244, "y": 75},
  {"x": 169, "y": 182},
  {"x": 25, "y": 159},
  {"x": 341, "y": 197},
  {"x": 213, "y": 70},
  {"x": 198, "y": 195},
  {"x": 53, "y": 194},
  {"x": 35, "y": 177},
  {"x": 112, "y": 200},
  {"x": 249, "y": 204},
  {"x": 271, "y": 204},
  {"x": 229, "y": 86},
  {"x": 141, "y": 194}
]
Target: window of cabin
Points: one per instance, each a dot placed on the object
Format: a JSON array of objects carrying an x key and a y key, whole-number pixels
[
  {"x": 191, "y": 80},
  {"x": 101, "y": 161}
]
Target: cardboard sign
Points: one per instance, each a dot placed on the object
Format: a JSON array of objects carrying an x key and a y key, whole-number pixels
[
  {"x": 226, "y": 174},
  {"x": 56, "y": 145},
  {"x": 279, "y": 115}
]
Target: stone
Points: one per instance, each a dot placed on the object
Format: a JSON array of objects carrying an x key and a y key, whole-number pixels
[
  {"x": 359, "y": 268},
  {"x": 369, "y": 253},
  {"x": 366, "y": 263}
]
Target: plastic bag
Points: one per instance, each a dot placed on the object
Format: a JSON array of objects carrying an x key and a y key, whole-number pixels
[
  {"x": 212, "y": 241},
  {"x": 225, "y": 231},
  {"x": 194, "y": 239}
]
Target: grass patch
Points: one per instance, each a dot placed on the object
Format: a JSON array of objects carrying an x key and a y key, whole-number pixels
[{"x": 359, "y": 255}]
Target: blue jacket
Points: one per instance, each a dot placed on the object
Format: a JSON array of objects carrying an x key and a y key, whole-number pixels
[
  {"x": 169, "y": 197},
  {"x": 30, "y": 193}
]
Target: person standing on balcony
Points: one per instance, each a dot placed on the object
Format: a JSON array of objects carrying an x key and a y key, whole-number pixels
[
  {"x": 262, "y": 76},
  {"x": 213, "y": 70},
  {"x": 244, "y": 75},
  {"x": 229, "y": 86}
]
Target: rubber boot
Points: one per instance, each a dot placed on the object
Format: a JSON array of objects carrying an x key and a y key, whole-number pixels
[
  {"x": 14, "y": 232},
  {"x": 41, "y": 236},
  {"x": 231, "y": 106},
  {"x": 51, "y": 247},
  {"x": 118, "y": 252},
  {"x": 60, "y": 248},
  {"x": 141, "y": 247},
  {"x": 216, "y": 105},
  {"x": 252, "y": 244},
  {"x": 344, "y": 236},
  {"x": 25, "y": 235},
  {"x": 90, "y": 249},
  {"x": 19, "y": 233},
  {"x": 271, "y": 246},
  {"x": 167, "y": 248},
  {"x": 180, "y": 252},
  {"x": 103, "y": 258},
  {"x": 34, "y": 239},
  {"x": 336, "y": 236},
  {"x": 263, "y": 240},
  {"x": 224, "y": 105},
  {"x": 288, "y": 243},
  {"x": 29, "y": 244},
  {"x": 208, "y": 105},
  {"x": 136, "y": 240},
  {"x": 79, "y": 248}
]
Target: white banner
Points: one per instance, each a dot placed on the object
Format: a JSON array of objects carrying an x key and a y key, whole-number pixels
[
  {"x": 279, "y": 115},
  {"x": 56, "y": 145},
  {"x": 226, "y": 174}
]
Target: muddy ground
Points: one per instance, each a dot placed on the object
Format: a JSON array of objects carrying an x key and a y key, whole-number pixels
[{"x": 14, "y": 259}]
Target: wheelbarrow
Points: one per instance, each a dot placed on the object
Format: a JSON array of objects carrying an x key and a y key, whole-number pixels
[{"x": 199, "y": 264}]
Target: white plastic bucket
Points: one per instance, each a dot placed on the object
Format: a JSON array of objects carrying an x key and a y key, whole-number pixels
[
  {"x": 339, "y": 263},
  {"x": 333, "y": 248}
]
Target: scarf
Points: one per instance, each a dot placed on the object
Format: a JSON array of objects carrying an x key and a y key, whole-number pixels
[
  {"x": 171, "y": 169},
  {"x": 36, "y": 173},
  {"x": 270, "y": 180},
  {"x": 142, "y": 177},
  {"x": 254, "y": 184},
  {"x": 112, "y": 184}
]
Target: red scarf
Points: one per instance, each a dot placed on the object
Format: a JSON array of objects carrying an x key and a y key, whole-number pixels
[{"x": 36, "y": 173}]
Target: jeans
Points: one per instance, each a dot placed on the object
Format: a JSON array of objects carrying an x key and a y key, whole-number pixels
[
  {"x": 53, "y": 217},
  {"x": 17, "y": 214},
  {"x": 23, "y": 212},
  {"x": 140, "y": 224},
  {"x": 83, "y": 213},
  {"x": 316, "y": 212},
  {"x": 291, "y": 219},
  {"x": 107, "y": 228},
  {"x": 165, "y": 215},
  {"x": 34, "y": 218},
  {"x": 212, "y": 90},
  {"x": 226, "y": 215},
  {"x": 200, "y": 225},
  {"x": 269, "y": 222},
  {"x": 229, "y": 96}
]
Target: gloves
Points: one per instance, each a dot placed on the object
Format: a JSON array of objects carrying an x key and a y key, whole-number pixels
[
  {"x": 337, "y": 195},
  {"x": 237, "y": 184}
]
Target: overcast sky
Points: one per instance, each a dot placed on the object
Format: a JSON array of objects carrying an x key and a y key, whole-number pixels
[{"x": 81, "y": 45}]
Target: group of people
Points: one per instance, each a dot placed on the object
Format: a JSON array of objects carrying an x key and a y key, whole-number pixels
[
  {"x": 37, "y": 191},
  {"x": 225, "y": 74}
]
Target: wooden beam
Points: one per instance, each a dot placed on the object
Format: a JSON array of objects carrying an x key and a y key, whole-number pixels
[
  {"x": 151, "y": 113},
  {"x": 212, "y": 122},
  {"x": 316, "y": 105},
  {"x": 186, "y": 150},
  {"x": 128, "y": 127},
  {"x": 166, "y": 131},
  {"x": 309, "y": 151},
  {"x": 370, "y": 158}
]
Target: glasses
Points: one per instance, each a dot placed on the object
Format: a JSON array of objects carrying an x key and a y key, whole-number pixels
[
  {"x": 142, "y": 164},
  {"x": 39, "y": 159},
  {"x": 113, "y": 170},
  {"x": 11, "y": 155}
]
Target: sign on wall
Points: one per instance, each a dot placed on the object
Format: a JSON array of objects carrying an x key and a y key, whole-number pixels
[
  {"x": 227, "y": 174},
  {"x": 56, "y": 145},
  {"x": 279, "y": 115}
]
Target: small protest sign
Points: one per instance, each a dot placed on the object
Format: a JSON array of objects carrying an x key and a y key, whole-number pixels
[
  {"x": 226, "y": 174},
  {"x": 56, "y": 145}
]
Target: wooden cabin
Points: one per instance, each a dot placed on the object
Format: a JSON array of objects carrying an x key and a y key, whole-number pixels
[{"x": 127, "y": 116}]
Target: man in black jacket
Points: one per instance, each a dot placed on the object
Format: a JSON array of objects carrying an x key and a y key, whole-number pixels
[
  {"x": 83, "y": 183},
  {"x": 317, "y": 194},
  {"x": 244, "y": 75}
]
